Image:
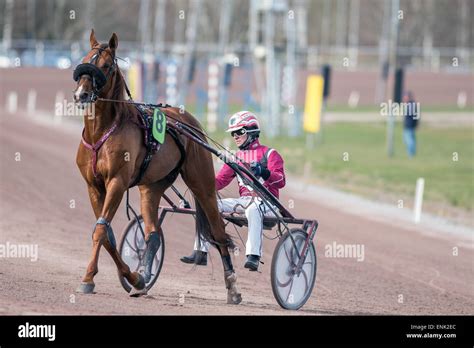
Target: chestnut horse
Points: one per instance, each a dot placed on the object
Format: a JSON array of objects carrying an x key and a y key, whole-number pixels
[{"x": 109, "y": 158}]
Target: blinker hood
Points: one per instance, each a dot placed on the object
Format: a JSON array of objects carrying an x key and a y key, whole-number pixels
[{"x": 91, "y": 70}]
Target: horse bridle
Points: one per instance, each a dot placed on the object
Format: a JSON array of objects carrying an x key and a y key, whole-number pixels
[{"x": 99, "y": 79}]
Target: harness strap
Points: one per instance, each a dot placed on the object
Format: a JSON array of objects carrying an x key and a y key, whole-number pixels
[
  {"x": 171, "y": 177},
  {"x": 94, "y": 148},
  {"x": 126, "y": 88},
  {"x": 143, "y": 167}
]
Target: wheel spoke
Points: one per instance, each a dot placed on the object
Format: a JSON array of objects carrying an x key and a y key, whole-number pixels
[
  {"x": 286, "y": 253},
  {"x": 284, "y": 285},
  {"x": 291, "y": 287},
  {"x": 297, "y": 251},
  {"x": 306, "y": 281},
  {"x": 130, "y": 245},
  {"x": 135, "y": 238},
  {"x": 290, "y": 256},
  {"x": 290, "y": 265}
]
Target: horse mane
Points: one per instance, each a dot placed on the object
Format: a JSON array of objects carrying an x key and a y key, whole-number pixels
[{"x": 123, "y": 111}]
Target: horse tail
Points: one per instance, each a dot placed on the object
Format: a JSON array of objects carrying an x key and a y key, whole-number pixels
[{"x": 203, "y": 228}]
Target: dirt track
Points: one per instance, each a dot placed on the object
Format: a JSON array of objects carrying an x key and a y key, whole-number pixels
[{"x": 35, "y": 209}]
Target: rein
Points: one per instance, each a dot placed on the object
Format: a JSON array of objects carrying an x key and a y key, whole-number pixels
[
  {"x": 131, "y": 102},
  {"x": 150, "y": 105}
]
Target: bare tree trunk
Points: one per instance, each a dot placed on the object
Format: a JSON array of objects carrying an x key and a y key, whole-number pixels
[
  {"x": 31, "y": 23},
  {"x": 144, "y": 29},
  {"x": 463, "y": 32},
  {"x": 354, "y": 32},
  {"x": 8, "y": 25},
  {"x": 89, "y": 19},
  {"x": 224, "y": 27},
  {"x": 341, "y": 13},
  {"x": 384, "y": 54},
  {"x": 160, "y": 25},
  {"x": 428, "y": 33},
  {"x": 59, "y": 18},
  {"x": 325, "y": 23},
  {"x": 191, "y": 35}
]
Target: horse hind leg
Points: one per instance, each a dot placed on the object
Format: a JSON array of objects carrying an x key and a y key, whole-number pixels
[
  {"x": 202, "y": 183},
  {"x": 223, "y": 241}
]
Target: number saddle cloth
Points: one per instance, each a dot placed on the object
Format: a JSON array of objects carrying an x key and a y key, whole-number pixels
[
  {"x": 146, "y": 120},
  {"x": 153, "y": 145}
]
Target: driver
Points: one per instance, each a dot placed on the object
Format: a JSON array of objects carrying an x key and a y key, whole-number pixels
[{"x": 267, "y": 165}]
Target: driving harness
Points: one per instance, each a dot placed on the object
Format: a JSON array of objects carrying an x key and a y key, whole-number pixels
[
  {"x": 152, "y": 146},
  {"x": 99, "y": 80}
]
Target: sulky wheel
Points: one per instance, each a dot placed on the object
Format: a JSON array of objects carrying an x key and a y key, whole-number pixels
[
  {"x": 132, "y": 249},
  {"x": 292, "y": 289}
]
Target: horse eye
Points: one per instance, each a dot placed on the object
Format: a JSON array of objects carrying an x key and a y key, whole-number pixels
[{"x": 106, "y": 66}]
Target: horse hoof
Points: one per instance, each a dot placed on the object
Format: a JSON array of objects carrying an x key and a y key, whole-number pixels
[
  {"x": 234, "y": 298},
  {"x": 140, "y": 283},
  {"x": 86, "y": 288},
  {"x": 138, "y": 293}
]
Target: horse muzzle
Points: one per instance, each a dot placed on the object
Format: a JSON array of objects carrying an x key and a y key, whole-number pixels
[{"x": 98, "y": 78}]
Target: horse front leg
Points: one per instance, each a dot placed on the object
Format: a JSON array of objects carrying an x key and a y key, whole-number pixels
[
  {"x": 96, "y": 196},
  {"x": 115, "y": 190},
  {"x": 103, "y": 235}
]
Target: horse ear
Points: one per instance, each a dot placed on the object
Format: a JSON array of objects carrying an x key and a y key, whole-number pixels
[
  {"x": 113, "y": 42},
  {"x": 92, "y": 39}
]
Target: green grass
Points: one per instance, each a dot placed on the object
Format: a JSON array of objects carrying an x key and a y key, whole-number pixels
[{"x": 369, "y": 171}]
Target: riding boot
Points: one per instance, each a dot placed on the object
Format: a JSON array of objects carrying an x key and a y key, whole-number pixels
[
  {"x": 252, "y": 262},
  {"x": 152, "y": 246},
  {"x": 197, "y": 257}
]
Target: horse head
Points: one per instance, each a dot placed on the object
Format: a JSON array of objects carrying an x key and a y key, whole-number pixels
[{"x": 94, "y": 74}]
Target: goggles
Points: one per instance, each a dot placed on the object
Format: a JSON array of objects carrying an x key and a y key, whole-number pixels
[{"x": 240, "y": 132}]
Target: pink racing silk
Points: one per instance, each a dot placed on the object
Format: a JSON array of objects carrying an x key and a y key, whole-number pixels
[
  {"x": 94, "y": 148},
  {"x": 254, "y": 153}
]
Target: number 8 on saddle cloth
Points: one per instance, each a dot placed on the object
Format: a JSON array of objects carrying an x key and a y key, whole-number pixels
[{"x": 159, "y": 125}]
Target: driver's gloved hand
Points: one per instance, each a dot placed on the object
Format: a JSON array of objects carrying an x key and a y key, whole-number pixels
[{"x": 260, "y": 171}]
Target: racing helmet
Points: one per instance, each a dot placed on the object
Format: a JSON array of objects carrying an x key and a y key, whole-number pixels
[{"x": 248, "y": 121}]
